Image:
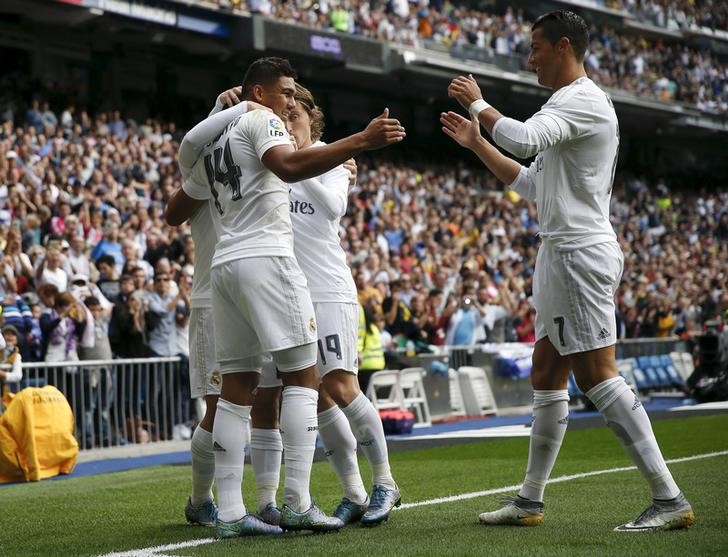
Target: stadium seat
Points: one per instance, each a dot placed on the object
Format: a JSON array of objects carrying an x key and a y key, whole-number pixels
[
  {"x": 574, "y": 391},
  {"x": 415, "y": 398},
  {"x": 641, "y": 381},
  {"x": 663, "y": 377},
  {"x": 653, "y": 379},
  {"x": 477, "y": 392},
  {"x": 675, "y": 377},
  {"x": 385, "y": 391},
  {"x": 683, "y": 362},
  {"x": 457, "y": 405},
  {"x": 625, "y": 369}
]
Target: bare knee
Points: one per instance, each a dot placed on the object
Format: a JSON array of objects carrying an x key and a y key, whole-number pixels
[
  {"x": 342, "y": 386},
  {"x": 549, "y": 370},
  {"x": 238, "y": 387},
  {"x": 594, "y": 367},
  {"x": 325, "y": 401},
  {"x": 307, "y": 378}
]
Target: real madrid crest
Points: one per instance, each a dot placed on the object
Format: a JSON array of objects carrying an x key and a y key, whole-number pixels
[{"x": 312, "y": 325}]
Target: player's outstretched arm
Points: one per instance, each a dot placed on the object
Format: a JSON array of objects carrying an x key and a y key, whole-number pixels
[
  {"x": 522, "y": 139},
  {"x": 465, "y": 90},
  {"x": 467, "y": 133},
  {"x": 294, "y": 166}
]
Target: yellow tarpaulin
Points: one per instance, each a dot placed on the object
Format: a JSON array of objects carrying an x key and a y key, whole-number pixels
[{"x": 36, "y": 436}]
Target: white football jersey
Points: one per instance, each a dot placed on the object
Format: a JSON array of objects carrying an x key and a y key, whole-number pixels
[
  {"x": 577, "y": 136},
  {"x": 205, "y": 236},
  {"x": 316, "y": 207},
  {"x": 248, "y": 201}
]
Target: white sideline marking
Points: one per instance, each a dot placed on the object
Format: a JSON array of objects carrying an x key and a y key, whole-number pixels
[
  {"x": 484, "y": 433},
  {"x": 157, "y": 550},
  {"x": 721, "y": 405}
]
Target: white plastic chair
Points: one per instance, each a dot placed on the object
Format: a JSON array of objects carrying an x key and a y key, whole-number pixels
[
  {"x": 415, "y": 398},
  {"x": 688, "y": 365},
  {"x": 385, "y": 391},
  {"x": 624, "y": 368},
  {"x": 457, "y": 405},
  {"x": 477, "y": 392}
]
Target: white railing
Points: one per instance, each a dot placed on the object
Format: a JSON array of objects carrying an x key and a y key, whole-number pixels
[{"x": 117, "y": 402}]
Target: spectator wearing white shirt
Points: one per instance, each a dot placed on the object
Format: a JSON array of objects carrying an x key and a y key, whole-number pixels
[
  {"x": 77, "y": 258},
  {"x": 50, "y": 271}
]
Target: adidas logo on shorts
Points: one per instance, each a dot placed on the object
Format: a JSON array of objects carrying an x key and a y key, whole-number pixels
[
  {"x": 603, "y": 334},
  {"x": 218, "y": 447}
]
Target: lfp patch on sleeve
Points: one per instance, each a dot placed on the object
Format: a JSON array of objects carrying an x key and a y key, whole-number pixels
[{"x": 275, "y": 128}]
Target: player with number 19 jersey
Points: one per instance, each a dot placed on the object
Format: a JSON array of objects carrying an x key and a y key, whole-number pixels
[{"x": 316, "y": 207}]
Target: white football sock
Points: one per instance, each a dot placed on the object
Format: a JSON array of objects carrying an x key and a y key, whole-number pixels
[
  {"x": 266, "y": 449},
  {"x": 230, "y": 434},
  {"x": 203, "y": 466},
  {"x": 626, "y": 417},
  {"x": 366, "y": 425},
  {"x": 550, "y": 418},
  {"x": 298, "y": 430},
  {"x": 340, "y": 447}
]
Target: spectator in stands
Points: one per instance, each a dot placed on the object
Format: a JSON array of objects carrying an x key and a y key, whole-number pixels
[
  {"x": 18, "y": 262},
  {"x": 129, "y": 251},
  {"x": 62, "y": 329},
  {"x": 108, "y": 279},
  {"x": 50, "y": 270},
  {"x": 160, "y": 315},
  {"x": 9, "y": 355},
  {"x": 466, "y": 324},
  {"x": 397, "y": 315},
  {"x": 77, "y": 258},
  {"x": 98, "y": 381},
  {"x": 35, "y": 337},
  {"x": 371, "y": 354},
  {"x": 7, "y": 276},
  {"x": 16, "y": 312},
  {"x": 109, "y": 245},
  {"x": 665, "y": 319}
]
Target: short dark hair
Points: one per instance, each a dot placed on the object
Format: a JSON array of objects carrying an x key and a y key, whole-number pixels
[
  {"x": 563, "y": 23},
  {"x": 91, "y": 301},
  {"x": 265, "y": 71},
  {"x": 106, "y": 258}
]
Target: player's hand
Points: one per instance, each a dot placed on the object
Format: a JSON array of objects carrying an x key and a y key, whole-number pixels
[
  {"x": 465, "y": 132},
  {"x": 382, "y": 131},
  {"x": 350, "y": 165},
  {"x": 465, "y": 90},
  {"x": 231, "y": 97}
]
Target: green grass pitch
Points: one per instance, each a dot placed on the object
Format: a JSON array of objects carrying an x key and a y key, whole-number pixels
[{"x": 144, "y": 508}]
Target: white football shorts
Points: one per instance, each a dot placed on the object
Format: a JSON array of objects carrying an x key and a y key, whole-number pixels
[
  {"x": 338, "y": 330},
  {"x": 338, "y": 336},
  {"x": 204, "y": 378},
  {"x": 573, "y": 293},
  {"x": 262, "y": 304}
]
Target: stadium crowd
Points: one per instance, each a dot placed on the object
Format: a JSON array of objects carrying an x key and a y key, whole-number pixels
[
  {"x": 637, "y": 64},
  {"x": 81, "y": 200}
]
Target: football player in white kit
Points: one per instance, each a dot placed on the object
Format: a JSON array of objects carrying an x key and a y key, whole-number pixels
[
  {"x": 575, "y": 138},
  {"x": 259, "y": 295},
  {"x": 205, "y": 380},
  {"x": 345, "y": 414}
]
